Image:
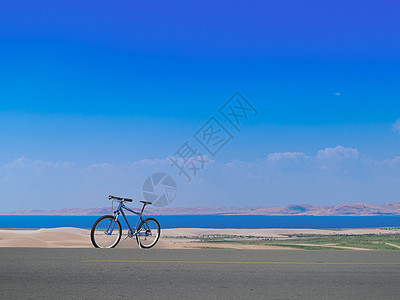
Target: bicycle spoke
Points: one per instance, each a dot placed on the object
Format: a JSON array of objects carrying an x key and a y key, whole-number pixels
[
  {"x": 148, "y": 233},
  {"x": 106, "y": 233}
]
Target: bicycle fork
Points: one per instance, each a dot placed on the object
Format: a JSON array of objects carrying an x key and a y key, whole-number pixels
[{"x": 111, "y": 226}]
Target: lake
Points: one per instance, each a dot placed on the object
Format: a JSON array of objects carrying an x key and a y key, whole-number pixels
[{"x": 211, "y": 221}]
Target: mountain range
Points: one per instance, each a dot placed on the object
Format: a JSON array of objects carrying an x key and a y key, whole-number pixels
[{"x": 345, "y": 209}]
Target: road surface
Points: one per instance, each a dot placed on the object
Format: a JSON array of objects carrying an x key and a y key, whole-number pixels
[{"x": 31, "y": 273}]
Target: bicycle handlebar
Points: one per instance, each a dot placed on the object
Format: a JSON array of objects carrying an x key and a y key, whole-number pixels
[{"x": 119, "y": 198}]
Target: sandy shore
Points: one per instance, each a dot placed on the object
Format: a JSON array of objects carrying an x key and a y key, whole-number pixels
[{"x": 170, "y": 238}]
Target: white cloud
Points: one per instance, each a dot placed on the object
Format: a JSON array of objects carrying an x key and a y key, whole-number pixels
[
  {"x": 284, "y": 176},
  {"x": 241, "y": 164},
  {"x": 338, "y": 153},
  {"x": 101, "y": 166},
  {"x": 151, "y": 162},
  {"x": 392, "y": 162},
  {"x": 23, "y": 162},
  {"x": 276, "y": 157},
  {"x": 396, "y": 126},
  {"x": 340, "y": 159}
]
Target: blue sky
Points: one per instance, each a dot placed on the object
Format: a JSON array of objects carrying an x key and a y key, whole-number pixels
[{"x": 95, "y": 96}]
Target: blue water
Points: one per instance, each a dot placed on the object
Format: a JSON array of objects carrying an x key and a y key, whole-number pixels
[{"x": 210, "y": 221}]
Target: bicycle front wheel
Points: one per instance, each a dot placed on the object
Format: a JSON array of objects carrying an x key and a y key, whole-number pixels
[
  {"x": 148, "y": 233},
  {"x": 106, "y": 232}
]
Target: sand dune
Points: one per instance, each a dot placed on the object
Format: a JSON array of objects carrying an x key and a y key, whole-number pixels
[
  {"x": 68, "y": 237},
  {"x": 45, "y": 238}
]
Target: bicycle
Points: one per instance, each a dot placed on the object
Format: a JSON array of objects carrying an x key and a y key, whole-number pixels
[{"x": 107, "y": 231}]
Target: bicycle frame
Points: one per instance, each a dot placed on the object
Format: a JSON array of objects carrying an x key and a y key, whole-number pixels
[{"x": 120, "y": 210}]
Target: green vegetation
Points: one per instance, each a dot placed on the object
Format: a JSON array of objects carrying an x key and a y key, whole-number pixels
[
  {"x": 367, "y": 241},
  {"x": 306, "y": 247},
  {"x": 309, "y": 241}
]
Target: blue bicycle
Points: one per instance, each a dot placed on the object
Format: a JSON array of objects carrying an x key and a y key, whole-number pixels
[{"x": 107, "y": 231}]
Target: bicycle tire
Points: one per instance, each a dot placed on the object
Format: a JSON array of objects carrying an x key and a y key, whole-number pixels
[
  {"x": 93, "y": 236},
  {"x": 144, "y": 246}
]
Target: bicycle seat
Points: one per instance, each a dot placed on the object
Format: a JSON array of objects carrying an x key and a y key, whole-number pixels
[
  {"x": 146, "y": 202},
  {"x": 119, "y": 198}
]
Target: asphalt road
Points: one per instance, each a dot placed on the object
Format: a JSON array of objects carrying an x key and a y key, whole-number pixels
[{"x": 29, "y": 273}]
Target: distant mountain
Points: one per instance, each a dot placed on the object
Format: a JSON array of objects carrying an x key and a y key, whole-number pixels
[{"x": 354, "y": 209}]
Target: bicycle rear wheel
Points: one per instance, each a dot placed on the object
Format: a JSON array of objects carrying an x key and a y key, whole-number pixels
[
  {"x": 148, "y": 233},
  {"x": 106, "y": 232}
]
